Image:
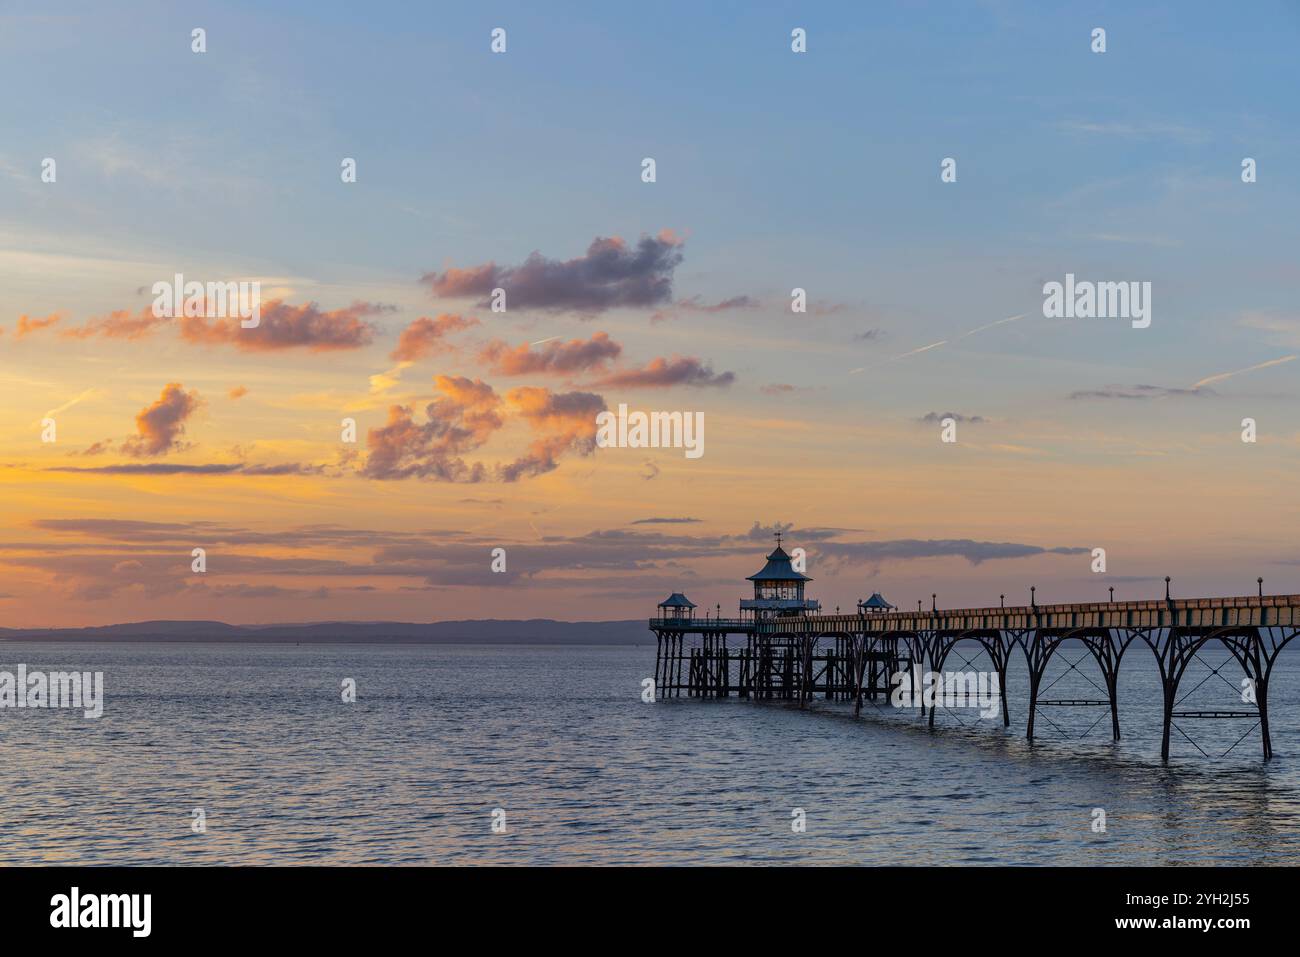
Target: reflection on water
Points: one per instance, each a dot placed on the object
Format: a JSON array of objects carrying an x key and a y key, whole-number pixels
[{"x": 558, "y": 737}]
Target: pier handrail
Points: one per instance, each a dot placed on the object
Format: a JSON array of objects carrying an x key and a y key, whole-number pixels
[
  {"x": 1245, "y": 610},
  {"x": 698, "y": 624}
]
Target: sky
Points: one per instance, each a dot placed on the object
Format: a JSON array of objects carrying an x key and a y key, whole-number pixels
[{"x": 522, "y": 170}]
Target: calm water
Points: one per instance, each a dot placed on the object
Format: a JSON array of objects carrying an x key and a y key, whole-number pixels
[{"x": 558, "y": 737}]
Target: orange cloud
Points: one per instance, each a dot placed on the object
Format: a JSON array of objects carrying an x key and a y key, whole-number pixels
[
  {"x": 660, "y": 373},
  {"x": 463, "y": 418},
  {"x": 159, "y": 427},
  {"x": 576, "y": 355},
  {"x": 424, "y": 336},
  {"x": 120, "y": 324},
  {"x": 28, "y": 325},
  {"x": 283, "y": 326},
  {"x": 566, "y": 422}
]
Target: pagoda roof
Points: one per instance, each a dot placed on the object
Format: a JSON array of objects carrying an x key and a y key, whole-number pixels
[
  {"x": 875, "y": 601},
  {"x": 778, "y": 569},
  {"x": 677, "y": 600}
]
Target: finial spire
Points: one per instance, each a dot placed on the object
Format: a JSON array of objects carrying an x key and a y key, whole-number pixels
[{"x": 778, "y": 538}]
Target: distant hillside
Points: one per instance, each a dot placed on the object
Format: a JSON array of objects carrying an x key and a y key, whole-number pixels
[{"x": 534, "y": 631}]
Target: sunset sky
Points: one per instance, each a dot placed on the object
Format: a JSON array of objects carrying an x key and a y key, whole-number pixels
[{"x": 522, "y": 170}]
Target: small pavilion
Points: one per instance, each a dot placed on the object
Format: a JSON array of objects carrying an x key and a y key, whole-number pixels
[
  {"x": 875, "y": 605},
  {"x": 677, "y": 606}
]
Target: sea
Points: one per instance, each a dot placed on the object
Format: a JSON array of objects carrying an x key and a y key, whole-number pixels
[{"x": 549, "y": 755}]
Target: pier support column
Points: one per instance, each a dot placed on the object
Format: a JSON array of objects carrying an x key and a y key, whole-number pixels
[
  {"x": 1108, "y": 649},
  {"x": 1256, "y": 649},
  {"x": 1174, "y": 650},
  {"x": 860, "y": 645},
  {"x": 677, "y": 678},
  {"x": 1039, "y": 646},
  {"x": 1255, "y": 661},
  {"x": 998, "y": 647},
  {"x": 659, "y": 657},
  {"x": 805, "y": 670},
  {"x": 940, "y": 644},
  {"x": 917, "y": 648}
]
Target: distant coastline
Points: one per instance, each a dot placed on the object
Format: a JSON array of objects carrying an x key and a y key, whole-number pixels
[{"x": 533, "y": 631}]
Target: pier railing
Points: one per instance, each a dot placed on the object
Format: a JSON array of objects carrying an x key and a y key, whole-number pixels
[
  {"x": 1244, "y": 611},
  {"x": 702, "y": 624}
]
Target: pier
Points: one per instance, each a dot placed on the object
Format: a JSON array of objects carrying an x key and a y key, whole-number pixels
[{"x": 783, "y": 648}]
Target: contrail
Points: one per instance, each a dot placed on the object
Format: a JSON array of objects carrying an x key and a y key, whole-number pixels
[
  {"x": 933, "y": 345},
  {"x": 989, "y": 326},
  {"x": 88, "y": 394},
  {"x": 941, "y": 342},
  {"x": 1228, "y": 375},
  {"x": 540, "y": 341}
]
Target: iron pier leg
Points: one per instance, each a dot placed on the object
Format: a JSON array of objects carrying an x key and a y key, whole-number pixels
[{"x": 1038, "y": 649}]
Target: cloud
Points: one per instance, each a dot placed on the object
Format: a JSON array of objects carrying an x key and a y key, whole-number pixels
[
  {"x": 1284, "y": 330},
  {"x": 159, "y": 427},
  {"x": 610, "y": 275},
  {"x": 1201, "y": 388},
  {"x": 576, "y": 355},
  {"x": 136, "y": 531},
  {"x": 28, "y": 325},
  {"x": 94, "y": 558},
  {"x": 974, "y": 552},
  {"x": 238, "y": 392},
  {"x": 211, "y": 468},
  {"x": 283, "y": 326},
  {"x": 666, "y": 521},
  {"x": 424, "y": 336},
  {"x": 823, "y": 307},
  {"x": 1139, "y": 392},
  {"x": 660, "y": 373},
  {"x": 120, "y": 324},
  {"x": 869, "y": 335},
  {"x": 97, "y": 448},
  {"x": 463, "y": 418},
  {"x": 565, "y": 422},
  {"x": 695, "y": 305},
  {"x": 1176, "y": 131},
  {"x": 956, "y": 416},
  {"x": 779, "y": 388}
]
